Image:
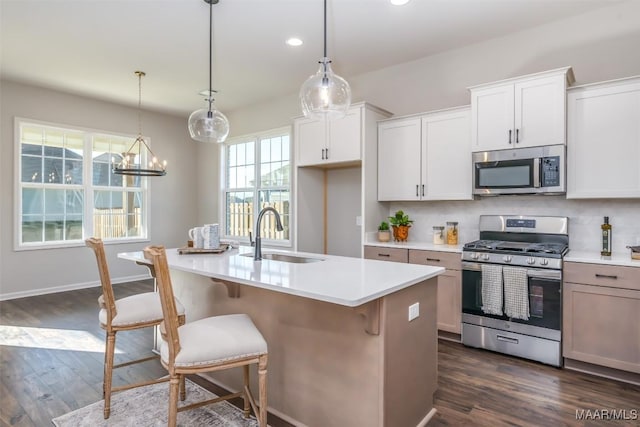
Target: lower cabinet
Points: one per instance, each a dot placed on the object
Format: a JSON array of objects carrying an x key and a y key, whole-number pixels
[
  {"x": 601, "y": 312},
  {"x": 449, "y": 286},
  {"x": 449, "y": 283}
]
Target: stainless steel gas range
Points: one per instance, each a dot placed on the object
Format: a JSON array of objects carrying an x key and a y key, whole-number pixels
[{"x": 512, "y": 286}]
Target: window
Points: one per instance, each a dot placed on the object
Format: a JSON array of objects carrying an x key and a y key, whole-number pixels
[
  {"x": 66, "y": 190},
  {"x": 257, "y": 174}
]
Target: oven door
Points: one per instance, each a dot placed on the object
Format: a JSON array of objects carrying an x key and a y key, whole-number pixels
[{"x": 545, "y": 296}]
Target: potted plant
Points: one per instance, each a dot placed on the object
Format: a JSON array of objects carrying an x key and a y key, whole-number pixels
[
  {"x": 384, "y": 234},
  {"x": 400, "y": 223}
]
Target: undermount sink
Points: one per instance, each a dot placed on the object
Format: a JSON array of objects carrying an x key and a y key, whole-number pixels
[{"x": 285, "y": 258}]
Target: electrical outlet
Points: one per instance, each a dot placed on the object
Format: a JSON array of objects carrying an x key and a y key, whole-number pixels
[
  {"x": 359, "y": 221},
  {"x": 414, "y": 311}
]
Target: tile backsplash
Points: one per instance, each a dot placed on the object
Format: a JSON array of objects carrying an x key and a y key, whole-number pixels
[{"x": 585, "y": 217}]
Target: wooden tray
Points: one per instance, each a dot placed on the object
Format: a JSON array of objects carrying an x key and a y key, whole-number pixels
[{"x": 188, "y": 250}]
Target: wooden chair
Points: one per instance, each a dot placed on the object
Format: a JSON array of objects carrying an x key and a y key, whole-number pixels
[
  {"x": 206, "y": 345},
  {"x": 125, "y": 314}
]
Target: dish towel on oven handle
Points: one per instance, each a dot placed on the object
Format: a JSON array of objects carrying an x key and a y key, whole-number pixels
[
  {"x": 492, "y": 289},
  {"x": 516, "y": 293}
]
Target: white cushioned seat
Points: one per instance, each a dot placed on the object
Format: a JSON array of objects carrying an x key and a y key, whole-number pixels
[
  {"x": 216, "y": 339},
  {"x": 139, "y": 308}
]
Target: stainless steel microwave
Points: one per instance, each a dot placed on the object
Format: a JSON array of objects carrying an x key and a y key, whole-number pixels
[{"x": 533, "y": 170}]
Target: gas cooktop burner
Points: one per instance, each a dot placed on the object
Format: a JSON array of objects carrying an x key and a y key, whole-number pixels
[{"x": 532, "y": 249}]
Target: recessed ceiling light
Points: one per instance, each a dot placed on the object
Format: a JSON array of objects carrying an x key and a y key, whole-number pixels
[
  {"x": 294, "y": 41},
  {"x": 398, "y": 2}
]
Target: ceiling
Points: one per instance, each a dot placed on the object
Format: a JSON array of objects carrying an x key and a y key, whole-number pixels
[{"x": 93, "y": 47}]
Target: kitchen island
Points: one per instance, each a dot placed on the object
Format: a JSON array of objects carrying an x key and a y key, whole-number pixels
[{"x": 342, "y": 351}]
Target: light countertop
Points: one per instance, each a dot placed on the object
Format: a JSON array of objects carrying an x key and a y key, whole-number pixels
[
  {"x": 425, "y": 246},
  {"x": 340, "y": 280},
  {"x": 593, "y": 257}
]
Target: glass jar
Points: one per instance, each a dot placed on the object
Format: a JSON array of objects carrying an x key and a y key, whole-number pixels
[
  {"x": 452, "y": 233},
  {"x": 438, "y": 235}
]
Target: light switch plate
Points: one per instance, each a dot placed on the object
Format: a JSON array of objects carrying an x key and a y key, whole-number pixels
[{"x": 414, "y": 311}]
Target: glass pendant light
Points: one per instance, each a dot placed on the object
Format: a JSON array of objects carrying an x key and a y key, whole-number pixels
[
  {"x": 209, "y": 124},
  {"x": 131, "y": 163},
  {"x": 325, "y": 95}
]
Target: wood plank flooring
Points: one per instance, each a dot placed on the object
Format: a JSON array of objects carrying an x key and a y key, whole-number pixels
[{"x": 46, "y": 371}]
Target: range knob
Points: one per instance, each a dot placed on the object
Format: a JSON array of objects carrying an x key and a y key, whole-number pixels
[
  {"x": 485, "y": 257},
  {"x": 507, "y": 258},
  {"x": 474, "y": 255},
  {"x": 544, "y": 261},
  {"x": 531, "y": 260}
]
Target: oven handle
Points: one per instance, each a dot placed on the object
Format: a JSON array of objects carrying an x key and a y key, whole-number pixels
[{"x": 534, "y": 273}]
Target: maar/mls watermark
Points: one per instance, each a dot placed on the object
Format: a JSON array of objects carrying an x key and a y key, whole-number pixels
[{"x": 605, "y": 414}]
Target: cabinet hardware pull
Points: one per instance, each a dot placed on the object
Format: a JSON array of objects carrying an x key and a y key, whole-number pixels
[
  {"x": 507, "y": 339},
  {"x": 326, "y": 153},
  {"x": 606, "y": 276},
  {"x": 387, "y": 255},
  {"x": 433, "y": 259},
  {"x": 517, "y": 136},
  {"x": 417, "y": 195},
  {"x": 323, "y": 154},
  {"x": 509, "y": 136},
  {"x": 422, "y": 190}
]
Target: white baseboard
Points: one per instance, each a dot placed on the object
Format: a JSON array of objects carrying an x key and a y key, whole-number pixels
[{"x": 65, "y": 288}]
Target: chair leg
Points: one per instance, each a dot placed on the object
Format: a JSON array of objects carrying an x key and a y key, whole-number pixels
[
  {"x": 183, "y": 390},
  {"x": 245, "y": 398},
  {"x": 262, "y": 387},
  {"x": 174, "y": 385},
  {"x": 108, "y": 372}
]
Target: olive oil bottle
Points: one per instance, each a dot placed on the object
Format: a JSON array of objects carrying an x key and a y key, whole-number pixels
[{"x": 606, "y": 237}]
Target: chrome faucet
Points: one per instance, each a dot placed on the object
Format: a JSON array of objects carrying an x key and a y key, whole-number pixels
[{"x": 257, "y": 255}]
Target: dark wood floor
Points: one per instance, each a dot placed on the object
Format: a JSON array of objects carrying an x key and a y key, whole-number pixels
[{"x": 39, "y": 380}]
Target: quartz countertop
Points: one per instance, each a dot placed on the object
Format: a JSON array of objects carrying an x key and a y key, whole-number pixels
[
  {"x": 335, "y": 279},
  {"x": 425, "y": 246},
  {"x": 593, "y": 257}
]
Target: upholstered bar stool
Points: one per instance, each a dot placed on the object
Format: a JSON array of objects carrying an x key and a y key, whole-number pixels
[
  {"x": 206, "y": 345},
  {"x": 133, "y": 312}
]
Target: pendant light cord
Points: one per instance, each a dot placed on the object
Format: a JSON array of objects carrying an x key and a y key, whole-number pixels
[
  {"x": 140, "y": 74},
  {"x": 325, "y": 29},
  {"x": 210, "y": 53}
]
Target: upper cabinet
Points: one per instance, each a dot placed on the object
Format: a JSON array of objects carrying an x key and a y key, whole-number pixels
[
  {"x": 332, "y": 142},
  {"x": 603, "y": 151},
  {"x": 425, "y": 157},
  {"x": 521, "y": 112}
]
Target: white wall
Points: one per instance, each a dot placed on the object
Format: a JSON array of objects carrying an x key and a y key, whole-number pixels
[{"x": 173, "y": 197}]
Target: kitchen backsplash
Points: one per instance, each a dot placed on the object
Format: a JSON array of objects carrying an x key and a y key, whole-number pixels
[{"x": 585, "y": 217}]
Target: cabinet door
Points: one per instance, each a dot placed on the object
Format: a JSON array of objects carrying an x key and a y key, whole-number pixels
[
  {"x": 608, "y": 336},
  {"x": 540, "y": 106},
  {"x": 446, "y": 156},
  {"x": 450, "y": 301},
  {"x": 399, "y": 148},
  {"x": 310, "y": 136},
  {"x": 492, "y": 118},
  {"x": 603, "y": 152},
  {"x": 345, "y": 138},
  {"x": 449, "y": 286}
]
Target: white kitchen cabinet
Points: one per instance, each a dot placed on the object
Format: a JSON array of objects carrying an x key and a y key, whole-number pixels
[
  {"x": 320, "y": 142},
  {"x": 526, "y": 111},
  {"x": 425, "y": 157},
  {"x": 335, "y": 201},
  {"x": 603, "y": 150},
  {"x": 399, "y": 159}
]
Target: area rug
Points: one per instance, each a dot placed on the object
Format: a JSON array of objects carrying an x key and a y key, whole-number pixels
[{"x": 148, "y": 406}]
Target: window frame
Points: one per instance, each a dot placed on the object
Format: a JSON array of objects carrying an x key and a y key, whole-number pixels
[
  {"x": 87, "y": 187},
  {"x": 224, "y": 189}
]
